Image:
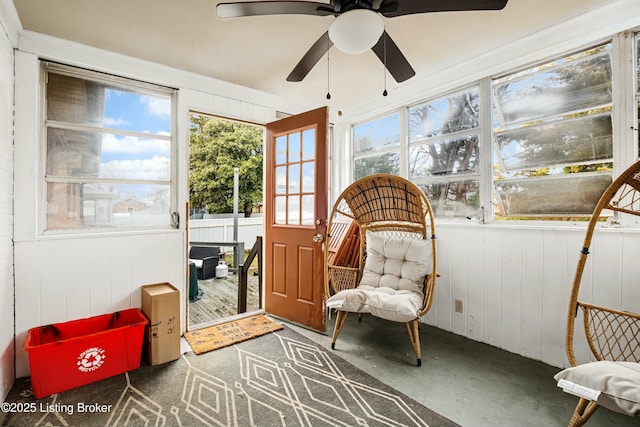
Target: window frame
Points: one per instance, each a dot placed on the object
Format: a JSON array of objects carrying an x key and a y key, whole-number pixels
[
  {"x": 625, "y": 106},
  {"x": 127, "y": 84}
]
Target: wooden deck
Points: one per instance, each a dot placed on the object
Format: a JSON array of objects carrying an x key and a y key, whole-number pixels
[{"x": 220, "y": 300}]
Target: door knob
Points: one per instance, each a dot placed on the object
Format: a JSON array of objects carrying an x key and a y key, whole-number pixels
[{"x": 318, "y": 238}]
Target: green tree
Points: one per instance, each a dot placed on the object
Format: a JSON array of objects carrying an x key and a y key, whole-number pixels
[{"x": 216, "y": 148}]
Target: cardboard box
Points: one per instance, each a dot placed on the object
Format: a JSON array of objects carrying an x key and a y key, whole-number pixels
[{"x": 161, "y": 304}]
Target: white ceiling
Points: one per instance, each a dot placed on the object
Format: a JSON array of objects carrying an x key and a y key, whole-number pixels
[{"x": 259, "y": 52}]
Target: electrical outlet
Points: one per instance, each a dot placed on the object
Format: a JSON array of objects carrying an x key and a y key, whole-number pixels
[{"x": 459, "y": 306}]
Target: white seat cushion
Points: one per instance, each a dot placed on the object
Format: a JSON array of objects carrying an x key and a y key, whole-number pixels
[
  {"x": 197, "y": 262},
  {"x": 392, "y": 279},
  {"x": 613, "y": 385}
]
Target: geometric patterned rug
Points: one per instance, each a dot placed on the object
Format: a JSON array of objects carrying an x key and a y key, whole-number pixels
[{"x": 278, "y": 379}]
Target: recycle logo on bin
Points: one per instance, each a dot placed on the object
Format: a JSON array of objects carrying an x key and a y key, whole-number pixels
[{"x": 91, "y": 359}]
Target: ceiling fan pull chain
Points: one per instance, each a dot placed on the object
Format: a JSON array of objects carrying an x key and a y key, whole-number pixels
[
  {"x": 384, "y": 48},
  {"x": 328, "y": 50}
]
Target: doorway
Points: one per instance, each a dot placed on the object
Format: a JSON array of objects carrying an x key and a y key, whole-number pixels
[{"x": 225, "y": 219}]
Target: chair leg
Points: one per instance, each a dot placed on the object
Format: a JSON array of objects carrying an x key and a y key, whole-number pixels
[
  {"x": 414, "y": 336},
  {"x": 340, "y": 319},
  {"x": 583, "y": 412}
]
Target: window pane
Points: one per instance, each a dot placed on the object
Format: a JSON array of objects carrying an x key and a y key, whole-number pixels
[
  {"x": 309, "y": 144},
  {"x": 459, "y": 199},
  {"x": 308, "y": 177},
  {"x": 294, "y": 179},
  {"x": 308, "y": 216},
  {"x": 95, "y": 103},
  {"x": 573, "y": 83},
  {"x": 280, "y": 207},
  {"x": 294, "y": 147},
  {"x": 586, "y": 139},
  {"x": 566, "y": 195},
  {"x": 294, "y": 210},
  {"x": 80, "y": 205},
  {"x": 444, "y": 157},
  {"x": 281, "y": 149},
  {"x": 281, "y": 180},
  {"x": 382, "y": 163},
  {"x": 103, "y": 155},
  {"x": 377, "y": 134},
  {"x": 454, "y": 113}
]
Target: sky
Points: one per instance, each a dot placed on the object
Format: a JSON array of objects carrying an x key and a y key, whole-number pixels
[{"x": 136, "y": 156}]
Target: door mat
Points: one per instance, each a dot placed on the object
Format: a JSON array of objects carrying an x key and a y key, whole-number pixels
[{"x": 224, "y": 334}]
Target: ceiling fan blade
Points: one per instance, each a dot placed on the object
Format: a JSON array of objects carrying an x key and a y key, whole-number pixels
[
  {"x": 391, "y": 8},
  {"x": 311, "y": 58},
  {"x": 259, "y": 8},
  {"x": 395, "y": 61}
]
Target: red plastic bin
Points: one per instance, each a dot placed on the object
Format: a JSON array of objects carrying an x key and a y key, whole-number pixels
[{"x": 66, "y": 355}]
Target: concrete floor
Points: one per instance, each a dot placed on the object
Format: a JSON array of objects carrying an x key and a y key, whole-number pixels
[{"x": 473, "y": 384}]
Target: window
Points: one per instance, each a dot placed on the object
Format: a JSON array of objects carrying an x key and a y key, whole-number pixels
[
  {"x": 108, "y": 151},
  {"x": 376, "y": 146},
  {"x": 553, "y": 137},
  {"x": 444, "y": 152}
]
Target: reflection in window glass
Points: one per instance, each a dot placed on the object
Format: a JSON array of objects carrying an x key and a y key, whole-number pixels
[
  {"x": 455, "y": 199},
  {"x": 441, "y": 146},
  {"x": 585, "y": 139},
  {"x": 454, "y": 113},
  {"x": 549, "y": 195},
  {"x": 377, "y": 134},
  {"x": 381, "y": 163},
  {"x": 553, "y": 136},
  {"x": 428, "y": 159},
  {"x": 108, "y": 151},
  {"x": 573, "y": 83}
]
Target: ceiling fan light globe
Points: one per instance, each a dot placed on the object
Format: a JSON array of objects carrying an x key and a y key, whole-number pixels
[{"x": 356, "y": 31}]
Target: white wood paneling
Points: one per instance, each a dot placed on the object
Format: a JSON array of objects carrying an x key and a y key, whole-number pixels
[
  {"x": 61, "y": 279},
  {"x": 515, "y": 280},
  {"x": 7, "y": 33}
]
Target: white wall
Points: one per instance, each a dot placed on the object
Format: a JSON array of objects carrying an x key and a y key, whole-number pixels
[
  {"x": 59, "y": 278},
  {"x": 515, "y": 282},
  {"x": 6, "y": 209}
]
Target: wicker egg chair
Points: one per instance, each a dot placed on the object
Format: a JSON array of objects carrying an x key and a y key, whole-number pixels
[
  {"x": 612, "y": 335},
  {"x": 396, "y": 215}
]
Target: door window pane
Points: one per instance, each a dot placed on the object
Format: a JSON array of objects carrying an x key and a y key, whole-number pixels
[
  {"x": 280, "y": 207},
  {"x": 308, "y": 209},
  {"x": 281, "y": 149},
  {"x": 281, "y": 179},
  {"x": 308, "y": 177},
  {"x": 309, "y": 144},
  {"x": 294, "y": 179},
  {"x": 294, "y": 147}
]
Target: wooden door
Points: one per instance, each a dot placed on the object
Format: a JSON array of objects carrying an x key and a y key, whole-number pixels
[{"x": 295, "y": 217}]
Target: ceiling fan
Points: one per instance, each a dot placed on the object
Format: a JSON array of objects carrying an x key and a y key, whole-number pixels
[{"x": 358, "y": 25}]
